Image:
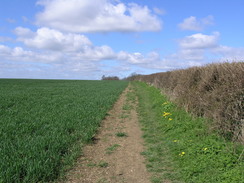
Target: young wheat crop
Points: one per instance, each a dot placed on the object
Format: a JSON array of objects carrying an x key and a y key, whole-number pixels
[{"x": 43, "y": 124}]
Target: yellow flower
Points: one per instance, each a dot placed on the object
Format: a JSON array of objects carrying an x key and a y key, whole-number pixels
[
  {"x": 205, "y": 149},
  {"x": 166, "y": 114},
  {"x": 182, "y": 154},
  {"x": 175, "y": 141},
  {"x": 170, "y": 119}
]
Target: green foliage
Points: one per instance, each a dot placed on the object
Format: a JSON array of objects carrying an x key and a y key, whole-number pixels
[
  {"x": 172, "y": 135},
  {"x": 123, "y": 116},
  {"x": 130, "y": 96},
  {"x": 44, "y": 123},
  {"x": 127, "y": 107},
  {"x": 112, "y": 148},
  {"x": 121, "y": 134},
  {"x": 103, "y": 164},
  {"x": 91, "y": 164}
]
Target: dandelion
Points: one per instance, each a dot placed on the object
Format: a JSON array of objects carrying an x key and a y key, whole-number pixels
[
  {"x": 182, "y": 154},
  {"x": 166, "y": 114},
  {"x": 170, "y": 119}
]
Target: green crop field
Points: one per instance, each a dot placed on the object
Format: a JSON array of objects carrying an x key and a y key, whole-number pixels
[{"x": 43, "y": 124}]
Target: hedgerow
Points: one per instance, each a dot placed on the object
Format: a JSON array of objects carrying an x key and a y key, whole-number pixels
[{"x": 215, "y": 91}]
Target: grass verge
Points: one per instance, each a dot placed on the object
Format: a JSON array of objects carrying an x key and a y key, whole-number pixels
[{"x": 180, "y": 148}]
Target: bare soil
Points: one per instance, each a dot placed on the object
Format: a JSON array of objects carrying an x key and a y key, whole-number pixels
[{"x": 113, "y": 157}]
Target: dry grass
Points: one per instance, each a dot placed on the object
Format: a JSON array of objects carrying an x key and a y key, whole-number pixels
[{"x": 215, "y": 91}]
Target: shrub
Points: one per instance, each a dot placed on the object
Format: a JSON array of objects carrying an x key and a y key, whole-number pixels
[{"x": 110, "y": 77}]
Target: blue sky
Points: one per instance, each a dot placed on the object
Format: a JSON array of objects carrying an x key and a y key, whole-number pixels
[{"x": 84, "y": 39}]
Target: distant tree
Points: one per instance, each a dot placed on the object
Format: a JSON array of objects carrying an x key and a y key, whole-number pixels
[
  {"x": 132, "y": 76},
  {"x": 110, "y": 77}
]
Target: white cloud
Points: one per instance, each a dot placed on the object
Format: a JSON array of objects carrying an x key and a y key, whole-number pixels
[
  {"x": 199, "y": 41},
  {"x": 4, "y": 50},
  {"x": 192, "y": 23},
  {"x": 50, "y": 39},
  {"x": 65, "y": 51},
  {"x": 138, "y": 58},
  {"x": 131, "y": 58},
  {"x": 96, "y": 16},
  {"x": 189, "y": 55},
  {"x": 199, "y": 49},
  {"x": 194, "y": 48},
  {"x": 95, "y": 53},
  {"x": 229, "y": 53},
  {"x": 18, "y": 54},
  {"x": 70, "y": 55},
  {"x": 23, "y": 32},
  {"x": 75, "y": 46}
]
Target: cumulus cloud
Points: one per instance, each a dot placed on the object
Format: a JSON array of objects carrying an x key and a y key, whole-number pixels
[
  {"x": 194, "y": 24},
  {"x": 199, "y": 41},
  {"x": 96, "y": 16},
  {"x": 50, "y": 39},
  {"x": 193, "y": 49},
  {"x": 23, "y": 32},
  {"x": 188, "y": 55},
  {"x": 96, "y": 53},
  {"x": 229, "y": 53},
  {"x": 198, "y": 49},
  {"x": 138, "y": 58},
  {"x": 76, "y": 47},
  {"x": 72, "y": 55},
  {"x": 4, "y": 50},
  {"x": 19, "y": 54}
]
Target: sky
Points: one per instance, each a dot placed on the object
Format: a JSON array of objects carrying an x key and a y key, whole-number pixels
[{"x": 86, "y": 39}]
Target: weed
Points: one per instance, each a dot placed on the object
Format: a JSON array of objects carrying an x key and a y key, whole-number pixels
[
  {"x": 127, "y": 107},
  {"x": 103, "y": 180},
  {"x": 123, "y": 116},
  {"x": 121, "y": 134},
  {"x": 103, "y": 164},
  {"x": 91, "y": 164},
  {"x": 112, "y": 148},
  {"x": 131, "y": 97}
]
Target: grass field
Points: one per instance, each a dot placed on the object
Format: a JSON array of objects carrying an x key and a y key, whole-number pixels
[
  {"x": 43, "y": 124},
  {"x": 180, "y": 147}
]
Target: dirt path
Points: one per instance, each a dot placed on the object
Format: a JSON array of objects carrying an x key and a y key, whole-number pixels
[{"x": 115, "y": 155}]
